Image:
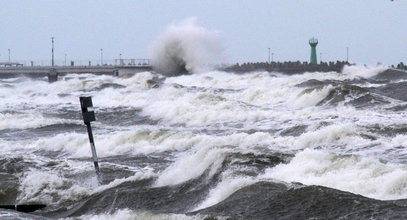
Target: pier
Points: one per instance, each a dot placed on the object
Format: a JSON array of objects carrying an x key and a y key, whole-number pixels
[{"x": 41, "y": 69}]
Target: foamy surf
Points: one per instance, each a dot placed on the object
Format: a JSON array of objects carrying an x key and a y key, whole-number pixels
[
  {"x": 360, "y": 175},
  {"x": 204, "y": 144}
]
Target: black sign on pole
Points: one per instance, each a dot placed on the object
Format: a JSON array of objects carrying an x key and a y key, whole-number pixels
[{"x": 89, "y": 116}]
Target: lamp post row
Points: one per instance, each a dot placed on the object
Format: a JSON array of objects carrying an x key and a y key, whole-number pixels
[
  {"x": 52, "y": 50},
  {"x": 52, "y": 39}
]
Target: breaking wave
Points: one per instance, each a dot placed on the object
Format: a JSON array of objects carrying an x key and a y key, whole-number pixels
[
  {"x": 361, "y": 175},
  {"x": 185, "y": 47}
]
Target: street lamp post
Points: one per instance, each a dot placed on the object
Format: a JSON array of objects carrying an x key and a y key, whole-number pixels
[
  {"x": 120, "y": 58},
  {"x": 101, "y": 56},
  {"x": 52, "y": 61},
  {"x": 9, "y": 55},
  {"x": 272, "y": 57}
]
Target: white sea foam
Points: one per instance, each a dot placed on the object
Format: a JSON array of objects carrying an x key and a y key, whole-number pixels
[
  {"x": 38, "y": 94},
  {"x": 356, "y": 174},
  {"x": 355, "y": 71},
  {"x": 127, "y": 214},
  {"x": 312, "y": 97},
  {"x": 247, "y": 98},
  {"x": 50, "y": 187},
  {"x": 117, "y": 143},
  {"x": 328, "y": 136},
  {"x": 200, "y": 109},
  {"x": 136, "y": 141},
  {"x": 191, "y": 166},
  {"x": 24, "y": 121},
  {"x": 257, "y": 89}
]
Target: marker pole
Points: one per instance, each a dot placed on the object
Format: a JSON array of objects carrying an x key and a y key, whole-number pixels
[
  {"x": 89, "y": 116},
  {"x": 93, "y": 148}
]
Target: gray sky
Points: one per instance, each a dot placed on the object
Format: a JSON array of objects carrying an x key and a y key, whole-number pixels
[{"x": 374, "y": 30}]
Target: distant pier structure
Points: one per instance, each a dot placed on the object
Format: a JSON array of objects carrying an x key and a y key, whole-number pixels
[
  {"x": 53, "y": 70},
  {"x": 313, "y": 42}
]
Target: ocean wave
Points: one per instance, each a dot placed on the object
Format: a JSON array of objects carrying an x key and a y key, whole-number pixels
[{"x": 360, "y": 175}]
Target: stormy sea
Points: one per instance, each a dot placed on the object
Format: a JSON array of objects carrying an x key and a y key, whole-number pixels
[
  {"x": 207, "y": 144},
  {"x": 213, "y": 145}
]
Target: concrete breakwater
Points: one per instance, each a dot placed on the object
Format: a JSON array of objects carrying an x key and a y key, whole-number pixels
[
  {"x": 288, "y": 67},
  {"x": 400, "y": 66}
]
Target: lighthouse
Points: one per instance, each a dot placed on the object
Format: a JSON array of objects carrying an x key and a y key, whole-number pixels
[{"x": 313, "y": 42}]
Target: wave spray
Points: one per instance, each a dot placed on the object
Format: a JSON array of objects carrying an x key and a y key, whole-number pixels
[{"x": 185, "y": 47}]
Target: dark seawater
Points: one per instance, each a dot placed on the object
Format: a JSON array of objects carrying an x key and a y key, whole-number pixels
[{"x": 213, "y": 145}]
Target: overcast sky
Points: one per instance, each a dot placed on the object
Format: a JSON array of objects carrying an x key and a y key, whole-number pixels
[{"x": 374, "y": 30}]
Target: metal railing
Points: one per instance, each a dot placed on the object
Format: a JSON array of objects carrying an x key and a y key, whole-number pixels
[{"x": 108, "y": 62}]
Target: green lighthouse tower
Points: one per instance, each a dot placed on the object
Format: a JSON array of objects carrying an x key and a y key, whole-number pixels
[{"x": 313, "y": 42}]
